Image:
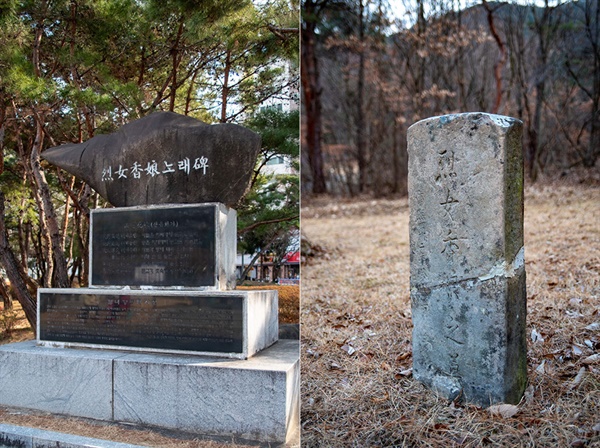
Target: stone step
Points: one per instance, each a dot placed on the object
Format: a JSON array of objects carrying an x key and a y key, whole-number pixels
[
  {"x": 255, "y": 399},
  {"x": 12, "y": 436}
]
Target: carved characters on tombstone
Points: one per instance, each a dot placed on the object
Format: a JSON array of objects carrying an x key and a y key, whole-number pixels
[{"x": 467, "y": 277}]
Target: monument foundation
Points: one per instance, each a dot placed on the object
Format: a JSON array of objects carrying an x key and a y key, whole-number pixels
[{"x": 253, "y": 399}]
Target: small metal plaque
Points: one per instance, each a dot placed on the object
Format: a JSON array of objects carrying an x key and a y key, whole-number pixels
[
  {"x": 165, "y": 247},
  {"x": 196, "y": 322}
]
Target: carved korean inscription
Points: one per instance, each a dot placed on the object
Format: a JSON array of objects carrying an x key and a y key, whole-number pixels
[
  {"x": 191, "y": 323},
  {"x": 157, "y": 247},
  {"x": 153, "y": 168}
]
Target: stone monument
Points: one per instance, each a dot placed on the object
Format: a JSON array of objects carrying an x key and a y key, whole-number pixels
[
  {"x": 467, "y": 271},
  {"x": 168, "y": 341}
]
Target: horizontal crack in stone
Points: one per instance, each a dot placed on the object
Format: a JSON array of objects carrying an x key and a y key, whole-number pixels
[{"x": 499, "y": 270}]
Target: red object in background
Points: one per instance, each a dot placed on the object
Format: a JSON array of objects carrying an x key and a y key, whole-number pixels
[{"x": 292, "y": 257}]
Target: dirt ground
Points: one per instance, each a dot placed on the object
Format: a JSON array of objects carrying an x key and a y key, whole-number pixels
[{"x": 357, "y": 388}]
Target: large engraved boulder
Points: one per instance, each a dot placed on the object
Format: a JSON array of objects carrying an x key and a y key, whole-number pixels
[{"x": 164, "y": 158}]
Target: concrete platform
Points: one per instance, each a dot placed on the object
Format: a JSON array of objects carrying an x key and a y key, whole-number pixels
[{"x": 254, "y": 399}]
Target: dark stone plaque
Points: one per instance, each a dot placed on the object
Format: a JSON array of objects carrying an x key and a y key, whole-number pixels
[
  {"x": 198, "y": 323},
  {"x": 173, "y": 246}
]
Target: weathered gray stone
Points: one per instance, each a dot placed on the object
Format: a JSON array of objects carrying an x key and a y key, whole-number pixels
[
  {"x": 467, "y": 265},
  {"x": 164, "y": 158},
  {"x": 255, "y": 399},
  {"x": 61, "y": 381}
]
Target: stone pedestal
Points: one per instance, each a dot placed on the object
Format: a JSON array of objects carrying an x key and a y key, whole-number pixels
[
  {"x": 232, "y": 324},
  {"x": 162, "y": 280},
  {"x": 148, "y": 342},
  {"x": 467, "y": 257},
  {"x": 254, "y": 399}
]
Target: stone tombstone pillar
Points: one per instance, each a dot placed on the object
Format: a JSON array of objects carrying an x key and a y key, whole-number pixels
[{"x": 467, "y": 272}]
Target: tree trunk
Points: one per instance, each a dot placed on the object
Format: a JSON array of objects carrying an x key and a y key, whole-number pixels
[
  {"x": 55, "y": 256},
  {"x": 225, "y": 91},
  {"x": 2, "y": 127},
  {"x": 361, "y": 140},
  {"x": 58, "y": 273},
  {"x": 6, "y": 299},
  {"x": 190, "y": 91},
  {"x": 175, "y": 56},
  {"x": 311, "y": 89},
  {"x": 250, "y": 265},
  {"x": 542, "y": 28},
  {"x": 65, "y": 226},
  {"x": 500, "y": 63},
  {"x": 24, "y": 230},
  {"x": 13, "y": 273},
  {"x": 593, "y": 150},
  {"x": 534, "y": 144}
]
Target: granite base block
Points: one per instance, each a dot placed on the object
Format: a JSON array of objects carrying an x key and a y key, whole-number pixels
[
  {"x": 255, "y": 399},
  {"x": 72, "y": 382}
]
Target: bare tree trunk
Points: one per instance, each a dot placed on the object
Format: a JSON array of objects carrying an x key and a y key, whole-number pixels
[
  {"x": 312, "y": 96},
  {"x": 361, "y": 141},
  {"x": 534, "y": 143},
  {"x": 225, "y": 91},
  {"x": 593, "y": 149},
  {"x": 6, "y": 299},
  {"x": 500, "y": 63},
  {"x": 14, "y": 274}
]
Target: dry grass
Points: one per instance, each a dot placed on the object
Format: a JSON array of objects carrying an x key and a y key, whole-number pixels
[
  {"x": 356, "y": 331},
  {"x": 114, "y": 432},
  {"x": 13, "y": 325}
]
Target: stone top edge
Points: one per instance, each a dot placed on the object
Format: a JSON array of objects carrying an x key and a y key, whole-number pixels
[
  {"x": 499, "y": 120},
  {"x": 158, "y": 292},
  {"x": 159, "y": 206}
]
